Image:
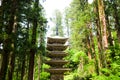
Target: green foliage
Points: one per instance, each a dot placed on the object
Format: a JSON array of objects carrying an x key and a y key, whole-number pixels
[
  {"x": 79, "y": 17},
  {"x": 21, "y": 24},
  {"x": 44, "y": 76},
  {"x": 103, "y": 77},
  {"x": 78, "y": 59},
  {"x": 75, "y": 57},
  {"x": 73, "y": 76}
]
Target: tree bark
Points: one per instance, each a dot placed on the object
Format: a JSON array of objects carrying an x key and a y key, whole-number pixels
[
  {"x": 1, "y": 33},
  {"x": 1, "y": 23},
  {"x": 32, "y": 51},
  {"x": 39, "y": 67},
  {"x": 11, "y": 69},
  {"x": 7, "y": 44},
  {"x": 88, "y": 48},
  {"x": 33, "y": 43},
  {"x": 103, "y": 26},
  {"x": 99, "y": 39},
  {"x": 25, "y": 56},
  {"x": 14, "y": 31},
  {"x": 23, "y": 69}
]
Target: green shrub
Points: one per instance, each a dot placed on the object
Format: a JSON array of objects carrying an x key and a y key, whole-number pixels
[{"x": 44, "y": 76}]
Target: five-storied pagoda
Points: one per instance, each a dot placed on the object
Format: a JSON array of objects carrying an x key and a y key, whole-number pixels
[{"x": 56, "y": 47}]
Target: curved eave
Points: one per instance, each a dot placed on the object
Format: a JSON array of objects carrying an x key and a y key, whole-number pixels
[
  {"x": 58, "y": 70},
  {"x": 56, "y": 62},
  {"x": 57, "y": 54},
  {"x": 60, "y": 40},
  {"x": 56, "y": 47}
]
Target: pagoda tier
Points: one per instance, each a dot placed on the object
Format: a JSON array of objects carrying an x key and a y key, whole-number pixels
[
  {"x": 57, "y": 40},
  {"x": 56, "y": 63},
  {"x": 56, "y": 54},
  {"x": 58, "y": 70},
  {"x": 56, "y": 47}
]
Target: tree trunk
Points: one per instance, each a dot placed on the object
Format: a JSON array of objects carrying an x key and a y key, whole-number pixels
[
  {"x": 7, "y": 45},
  {"x": 14, "y": 31},
  {"x": 11, "y": 68},
  {"x": 39, "y": 67},
  {"x": 33, "y": 43},
  {"x": 99, "y": 39},
  {"x": 88, "y": 48},
  {"x": 31, "y": 65},
  {"x": 103, "y": 26},
  {"x": 1, "y": 24},
  {"x": 4, "y": 66},
  {"x": 32, "y": 51},
  {"x": 23, "y": 69},
  {"x": 92, "y": 42},
  {"x": 1, "y": 33},
  {"x": 24, "y": 61}
]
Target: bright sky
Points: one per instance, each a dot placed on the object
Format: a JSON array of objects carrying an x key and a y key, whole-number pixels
[
  {"x": 51, "y": 5},
  {"x": 0, "y": 2}
]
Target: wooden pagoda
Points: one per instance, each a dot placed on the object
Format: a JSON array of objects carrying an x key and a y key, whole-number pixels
[{"x": 56, "y": 47}]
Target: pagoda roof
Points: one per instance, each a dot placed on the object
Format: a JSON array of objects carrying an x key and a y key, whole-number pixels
[
  {"x": 56, "y": 62},
  {"x": 57, "y": 54},
  {"x": 58, "y": 70},
  {"x": 56, "y": 39},
  {"x": 56, "y": 47}
]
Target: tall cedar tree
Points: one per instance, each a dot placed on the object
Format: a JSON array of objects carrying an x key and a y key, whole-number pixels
[
  {"x": 8, "y": 41},
  {"x": 103, "y": 27},
  {"x": 33, "y": 42}
]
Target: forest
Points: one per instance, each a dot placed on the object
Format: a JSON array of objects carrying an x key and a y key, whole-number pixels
[{"x": 94, "y": 39}]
